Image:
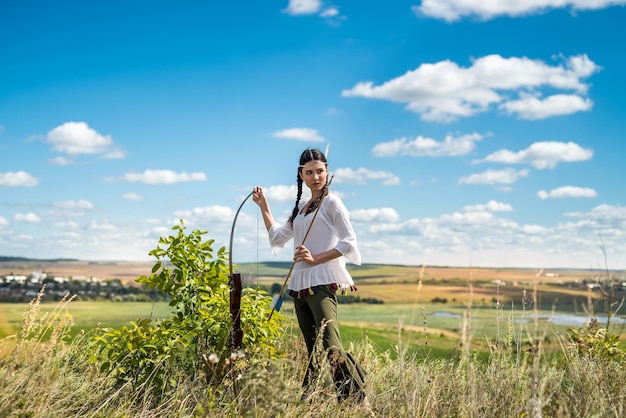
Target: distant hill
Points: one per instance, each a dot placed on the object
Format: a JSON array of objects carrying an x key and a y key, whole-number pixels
[{"x": 22, "y": 259}]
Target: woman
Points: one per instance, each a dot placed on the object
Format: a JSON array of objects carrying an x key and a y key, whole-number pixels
[{"x": 319, "y": 270}]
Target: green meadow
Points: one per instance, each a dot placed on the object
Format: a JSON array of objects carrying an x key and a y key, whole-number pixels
[
  {"x": 422, "y": 308},
  {"x": 437, "y": 342}
]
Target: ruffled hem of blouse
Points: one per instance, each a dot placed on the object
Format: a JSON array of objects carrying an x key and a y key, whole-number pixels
[{"x": 325, "y": 273}]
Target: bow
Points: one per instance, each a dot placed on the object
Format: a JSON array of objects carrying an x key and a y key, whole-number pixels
[
  {"x": 278, "y": 299},
  {"x": 234, "y": 282}
]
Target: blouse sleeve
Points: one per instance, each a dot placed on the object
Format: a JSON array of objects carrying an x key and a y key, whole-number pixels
[
  {"x": 279, "y": 235},
  {"x": 347, "y": 244}
]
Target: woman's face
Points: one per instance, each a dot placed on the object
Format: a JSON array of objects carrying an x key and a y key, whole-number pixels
[{"x": 314, "y": 175}]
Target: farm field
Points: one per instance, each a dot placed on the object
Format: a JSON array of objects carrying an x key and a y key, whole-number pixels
[
  {"x": 423, "y": 307},
  {"x": 424, "y": 331}
]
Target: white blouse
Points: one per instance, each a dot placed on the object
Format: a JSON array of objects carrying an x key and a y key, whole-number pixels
[{"x": 332, "y": 229}]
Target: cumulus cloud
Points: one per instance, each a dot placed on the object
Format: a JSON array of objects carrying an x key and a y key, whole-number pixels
[
  {"x": 452, "y": 10},
  {"x": 491, "y": 206},
  {"x": 27, "y": 217},
  {"x": 66, "y": 224},
  {"x": 159, "y": 177},
  {"x": 607, "y": 213},
  {"x": 76, "y": 138},
  {"x": 61, "y": 161},
  {"x": 303, "y": 7},
  {"x": 375, "y": 215},
  {"x": 101, "y": 225},
  {"x": 428, "y": 147},
  {"x": 363, "y": 175},
  {"x": 300, "y": 134},
  {"x": 115, "y": 154},
  {"x": 558, "y": 104},
  {"x": 534, "y": 229},
  {"x": 281, "y": 193},
  {"x": 445, "y": 91},
  {"x": 74, "y": 204},
  {"x": 330, "y": 12},
  {"x": 207, "y": 214},
  {"x": 133, "y": 196},
  {"x": 17, "y": 179},
  {"x": 542, "y": 155},
  {"x": 567, "y": 191},
  {"x": 506, "y": 176}
]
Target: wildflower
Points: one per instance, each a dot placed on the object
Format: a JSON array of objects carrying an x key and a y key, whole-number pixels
[{"x": 213, "y": 358}]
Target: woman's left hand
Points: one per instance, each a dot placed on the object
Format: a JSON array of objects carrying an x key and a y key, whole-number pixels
[{"x": 303, "y": 254}]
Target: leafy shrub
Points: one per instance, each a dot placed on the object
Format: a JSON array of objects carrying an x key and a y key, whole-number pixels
[
  {"x": 597, "y": 342},
  {"x": 195, "y": 340}
]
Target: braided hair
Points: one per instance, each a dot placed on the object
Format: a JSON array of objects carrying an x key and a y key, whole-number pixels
[{"x": 306, "y": 156}]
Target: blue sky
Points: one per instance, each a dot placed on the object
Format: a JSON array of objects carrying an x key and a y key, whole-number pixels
[{"x": 463, "y": 132}]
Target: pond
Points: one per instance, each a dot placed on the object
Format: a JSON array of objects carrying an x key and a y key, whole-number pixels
[{"x": 556, "y": 318}]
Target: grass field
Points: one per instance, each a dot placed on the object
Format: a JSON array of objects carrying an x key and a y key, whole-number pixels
[
  {"x": 499, "y": 299},
  {"x": 424, "y": 329},
  {"x": 445, "y": 342},
  {"x": 86, "y": 315}
]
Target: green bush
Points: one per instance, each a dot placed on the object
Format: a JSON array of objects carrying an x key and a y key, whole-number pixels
[
  {"x": 195, "y": 341},
  {"x": 597, "y": 342}
]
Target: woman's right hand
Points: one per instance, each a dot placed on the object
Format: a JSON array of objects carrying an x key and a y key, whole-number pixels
[{"x": 258, "y": 196}]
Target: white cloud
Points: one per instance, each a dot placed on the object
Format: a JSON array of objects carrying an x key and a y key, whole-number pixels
[
  {"x": 444, "y": 91},
  {"x": 300, "y": 134},
  {"x": 17, "y": 179},
  {"x": 558, "y": 104},
  {"x": 534, "y": 229},
  {"x": 3, "y": 222},
  {"x": 100, "y": 225},
  {"x": 74, "y": 204},
  {"x": 452, "y": 10},
  {"x": 428, "y": 147},
  {"x": 61, "y": 161},
  {"x": 491, "y": 206},
  {"x": 375, "y": 215},
  {"x": 23, "y": 237},
  {"x": 78, "y": 138},
  {"x": 303, "y": 7},
  {"x": 115, "y": 154},
  {"x": 604, "y": 212},
  {"x": 159, "y": 177},
  {"x": 567, "y": 191},
  {"x": 363, "y": 175},
  {"x": 133, "y": 196},
  {"x": 541, "y": 155},
  {"x": 66, "y": 224},
  {"x": 330, "y": 12},
  {"x": 207, "y": 214},
  {"x": 27, "y": 217},
  {"x": 506, "y": 176},
  {"x": 161, "y": 230},
  {"x": 281, "y": 193}
]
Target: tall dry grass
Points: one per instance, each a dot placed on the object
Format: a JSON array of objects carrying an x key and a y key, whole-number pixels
[{"x": 44, "y": 373}]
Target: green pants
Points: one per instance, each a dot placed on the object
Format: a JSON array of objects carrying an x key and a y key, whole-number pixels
[{"x": 313, "y": 311}]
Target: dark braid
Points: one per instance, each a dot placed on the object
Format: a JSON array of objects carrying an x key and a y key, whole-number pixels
[{"x": 294, "y": 213}]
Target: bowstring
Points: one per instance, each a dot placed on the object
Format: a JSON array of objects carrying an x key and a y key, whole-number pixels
[{"x": 258, "y": 210}]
